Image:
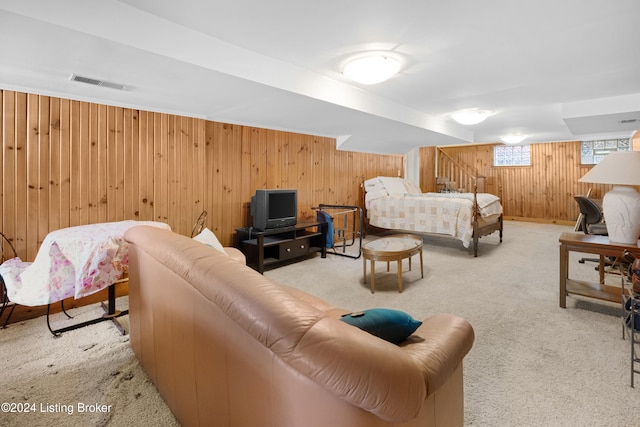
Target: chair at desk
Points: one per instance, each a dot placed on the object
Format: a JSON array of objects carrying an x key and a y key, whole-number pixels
[{"x": 592, "y": 222}]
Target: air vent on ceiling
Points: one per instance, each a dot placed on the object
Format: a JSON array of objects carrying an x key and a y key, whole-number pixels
[
  {"x": 627, "y": 121},
  {"x": 96, "y": 82}
]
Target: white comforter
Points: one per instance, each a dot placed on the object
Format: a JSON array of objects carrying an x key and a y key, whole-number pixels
[{"x": 441, "y": 213}]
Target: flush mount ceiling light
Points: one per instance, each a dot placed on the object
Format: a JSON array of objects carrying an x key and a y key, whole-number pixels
[
  {"x": 471, "y": 117},
  {"x": 513, "y": 138},
  {"x": 371, "y": 69}
]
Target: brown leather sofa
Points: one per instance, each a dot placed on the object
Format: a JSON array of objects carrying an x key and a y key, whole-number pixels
[{"x": 227, "y": 346}]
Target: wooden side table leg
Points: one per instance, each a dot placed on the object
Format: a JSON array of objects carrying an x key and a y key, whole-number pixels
[
  {"x": 564, "y": 274},
  {"x": 410, "y": 263},
  {"x": 421, "y": 267},
  {"x": 364, "y": 269},
  {"x": 400, "y": 275},
  {"x": 373, "y": 276},
  {"x": 601, "y": 269}
]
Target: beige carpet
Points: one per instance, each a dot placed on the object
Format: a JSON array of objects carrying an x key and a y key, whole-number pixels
[
  {"x": 86, "y": 377},
  {"x": 533, "y": 363}
]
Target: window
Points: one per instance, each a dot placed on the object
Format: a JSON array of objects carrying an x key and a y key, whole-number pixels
[
  {"x": 512, "y": 155},
  {"x": 591, "y": 152}
]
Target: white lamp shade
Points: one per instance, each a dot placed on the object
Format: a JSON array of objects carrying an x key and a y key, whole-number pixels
[
  {"x": 617, "y": 168},
  {"x": 621, "y": 205}
]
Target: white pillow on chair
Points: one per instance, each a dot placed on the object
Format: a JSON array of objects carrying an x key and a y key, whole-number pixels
[{"x": 207, "y": 237}]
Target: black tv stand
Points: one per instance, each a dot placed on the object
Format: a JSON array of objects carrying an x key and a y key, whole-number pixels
[{"x": 279, "y": 245}]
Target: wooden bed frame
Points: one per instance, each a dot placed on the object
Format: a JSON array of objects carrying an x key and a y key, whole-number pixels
[
  {"x": 487, "y": 229},
  {"x": 478, "y": 230}
]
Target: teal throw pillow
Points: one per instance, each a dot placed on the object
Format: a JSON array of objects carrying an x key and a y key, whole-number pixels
[{"x": 391, "y": 325}]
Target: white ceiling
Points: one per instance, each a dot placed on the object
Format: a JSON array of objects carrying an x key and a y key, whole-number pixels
[{"x": 554, "y": 70}]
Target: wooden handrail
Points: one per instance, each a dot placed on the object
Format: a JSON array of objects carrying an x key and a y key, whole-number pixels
[
  {"x": 465, "y": 178},
  {"x": 456, "y": 163}
]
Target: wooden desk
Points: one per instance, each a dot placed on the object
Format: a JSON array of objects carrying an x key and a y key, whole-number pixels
[{"x": 591, "y": 244}]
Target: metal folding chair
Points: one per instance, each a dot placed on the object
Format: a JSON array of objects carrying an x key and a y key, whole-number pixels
[{"x": 7, "y": 251}]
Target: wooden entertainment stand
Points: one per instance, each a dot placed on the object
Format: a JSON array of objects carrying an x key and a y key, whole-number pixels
[{"x": 278, "y": 245}]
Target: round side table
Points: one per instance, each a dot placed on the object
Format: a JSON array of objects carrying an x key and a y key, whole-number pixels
[{"x": 391, "y": 248}]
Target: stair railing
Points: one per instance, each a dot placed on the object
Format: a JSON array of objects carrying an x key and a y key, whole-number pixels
[{"x": 448, "y": 170}]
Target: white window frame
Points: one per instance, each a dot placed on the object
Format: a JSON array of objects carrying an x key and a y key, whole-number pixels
[
  {"x": 592, "y": 152},
  {"x": 511, "y": 155}
]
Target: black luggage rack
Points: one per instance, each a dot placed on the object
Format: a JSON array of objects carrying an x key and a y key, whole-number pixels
[{"x": 347, "y": 224}]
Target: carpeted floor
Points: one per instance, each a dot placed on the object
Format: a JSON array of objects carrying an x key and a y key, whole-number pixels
[
  {"x": 86, "y": 377},
  {"x": 532, "y": 364}
]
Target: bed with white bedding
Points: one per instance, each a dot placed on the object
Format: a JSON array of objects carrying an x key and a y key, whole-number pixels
[{"x": 397, "y": 204}]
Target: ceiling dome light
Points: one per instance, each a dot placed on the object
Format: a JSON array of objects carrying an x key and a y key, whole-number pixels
[
  {"x": 371, "y": 69},
  {"x": 513, "y": 138},
  {"x": 471, "y": 117}
]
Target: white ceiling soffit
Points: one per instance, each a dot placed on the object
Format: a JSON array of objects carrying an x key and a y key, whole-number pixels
[
  {"x": 617, "y": 115},
  {"x": 277, "y": 64}
]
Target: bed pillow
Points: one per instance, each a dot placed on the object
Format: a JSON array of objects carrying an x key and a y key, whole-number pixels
[
  {"x": 373, "y": 184},
  {"x": 394, "y": 186},
  {"x": 391, "y": 325},
  {"x": 373, "y": 195},
  {"x": 412, "y": 188},
  {"x": 207, "y": 237}
]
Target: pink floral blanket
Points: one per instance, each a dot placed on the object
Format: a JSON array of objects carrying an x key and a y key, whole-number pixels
[{"x": 72, "y": 262}]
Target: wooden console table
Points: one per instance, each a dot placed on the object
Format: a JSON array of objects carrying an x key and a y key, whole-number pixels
[{"x": 591, "y": 244}]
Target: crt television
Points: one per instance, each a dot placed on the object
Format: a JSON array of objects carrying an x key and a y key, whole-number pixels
[{"x": 274, "y": 208}]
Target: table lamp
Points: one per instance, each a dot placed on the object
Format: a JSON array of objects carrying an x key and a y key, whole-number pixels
[{"x": 621, "y": 205}]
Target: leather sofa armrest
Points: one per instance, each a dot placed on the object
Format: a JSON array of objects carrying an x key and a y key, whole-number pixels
[
  {"x": 342, "y": 358},
  {"x": 439, "y": 346},
  {"x": 235, "y": 254}
]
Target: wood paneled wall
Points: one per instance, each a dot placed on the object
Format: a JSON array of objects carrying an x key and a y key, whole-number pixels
[
  {"x": 67, "y": 163},
  {"x": 428, "y": 158},
  {"x": 541, "y": 192}
]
